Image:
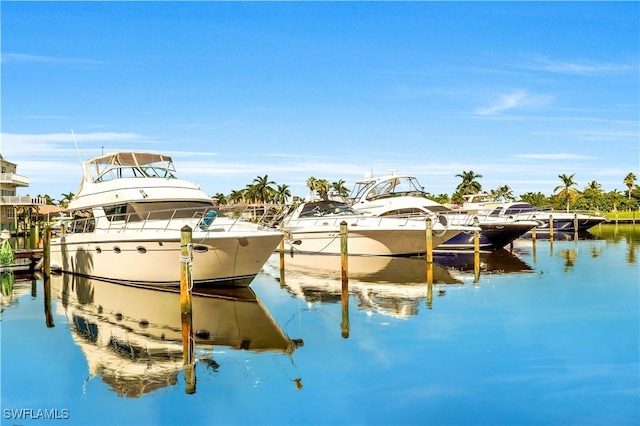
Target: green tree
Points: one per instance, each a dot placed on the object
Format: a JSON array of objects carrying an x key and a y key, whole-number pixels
[
  {"x": 235, "y": 196},
  {"x": 629, "y": 181},
  {"x": 322, "y": 187},
  {"x": 312, "y": 185},
  {"x": 339, "y": 187},
  {"x": 503, "y": 193},
  {"x": 47, "y": 198},
  {"x": 565, "y": 191},
  {"x": 221, "y": 198},
  {"x": 66, "y": 198},
  {"x": 262, "y": 189},
  {"x": 536, "y": 199},
  {"x": 282, "y": 194},
  {"x": 469, "y": 184}
]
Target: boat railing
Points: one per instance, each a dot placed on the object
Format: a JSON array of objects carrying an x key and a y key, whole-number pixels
[{"x": 161, "y": 220}]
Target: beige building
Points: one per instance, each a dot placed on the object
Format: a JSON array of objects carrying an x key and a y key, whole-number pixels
[{"x": 15, "y": 210}]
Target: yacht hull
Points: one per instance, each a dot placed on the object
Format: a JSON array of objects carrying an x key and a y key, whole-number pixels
[
  {"x": 227, "y": 259},
  {"x": 366, "y": 242},
  {"x": 492, "y": 236}
]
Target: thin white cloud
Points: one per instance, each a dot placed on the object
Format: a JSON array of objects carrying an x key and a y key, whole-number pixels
[
  {"x": 556, "y": 156},
  {"x": 512, "y": 100},
  {"x": 32, "y": 59},
  {"x": 542, "y": 63}
]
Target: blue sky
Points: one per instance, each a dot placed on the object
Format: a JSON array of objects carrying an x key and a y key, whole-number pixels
[{"x": 517, "y": 92}]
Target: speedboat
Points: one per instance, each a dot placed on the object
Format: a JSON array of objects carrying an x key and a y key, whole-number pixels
[
  {"x": 131, "y": 335},
  {"x": 315, "y": 228},
  {"x": 562, "y": 221},
  {"x": 128, "y": 217},
  {"x": 403, "y": 196}
]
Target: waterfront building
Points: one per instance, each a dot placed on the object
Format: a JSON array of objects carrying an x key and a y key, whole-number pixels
[{"x": 16, "y": 211}]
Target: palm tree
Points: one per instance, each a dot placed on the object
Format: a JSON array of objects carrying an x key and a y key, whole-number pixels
[
  {"x": 593, "y": 186},
  {"x": 263, "y": 190},
  {"x": 503, "y": 193},
  {"x": 64, "y": 201},
  {"x": 221, "y": 198},
  {"x": 235, "y": 196},
  {"x": 340, "y": 188},
  {"x": 469, "y": 184},
  {"x": 565, "y": 190},
  {"x": 311, "y": 184},
  {"x": 282, "y": 194},
  {"x": 250, "y": 194},
  {"x": 630, "y": 180},
  {"x": 322, "y": 186},
  {"x": 47, "y": 198}
]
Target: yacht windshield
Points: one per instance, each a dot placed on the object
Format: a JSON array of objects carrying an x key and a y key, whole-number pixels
[
  {"x": 359, "y": 189},
  {"x": 130, "y": 165},
  {"x": 400, "y": 185}
]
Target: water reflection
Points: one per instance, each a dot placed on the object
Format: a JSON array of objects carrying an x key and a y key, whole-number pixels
[
  {"x": 390, "y": 285},
  {"x": 628, "y": 233},
  {"x": 132, "y": 336}
]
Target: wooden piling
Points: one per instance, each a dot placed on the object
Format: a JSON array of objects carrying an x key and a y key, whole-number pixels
[
  {"x": 186, "y": 286},
  {"x": 344, "y": 252},
  {"x": 533, "y": 235},
  {"x": 429, "y": 240},
  {"x": 344, "y": 263},
  {"x": 430, "y": 288},
  {"x": 551, "y": 227},
  {"x": 46, "y": 251},
  {"x": 476, "y": 251}
]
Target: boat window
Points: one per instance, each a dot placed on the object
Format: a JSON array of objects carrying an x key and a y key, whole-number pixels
[
  {"x": 326, "y": 208},
  {"x": 135, "y": 212},
  {"x": 83, "y": 221},
  {"x": 496, "y": 212},
  {"x": 519, "y": 208}
]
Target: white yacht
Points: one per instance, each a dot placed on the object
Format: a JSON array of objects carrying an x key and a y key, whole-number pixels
[
  {"x": 562, "y": 221},
  {"x": 403, "y": 196},
  {"x": 314, "y": 227},
  {"x": 128, "y": 216}
]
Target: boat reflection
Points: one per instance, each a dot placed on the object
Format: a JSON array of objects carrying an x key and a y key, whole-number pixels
[
  {"x": 392, "y": 286},
  {"x": 501, "y": 261},
  {"x": 131, "y": 336}
]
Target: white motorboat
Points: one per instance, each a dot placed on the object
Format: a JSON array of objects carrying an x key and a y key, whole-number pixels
[
  {"x": 403, "y": 196},
  {"x": 563, "y": 221},
  {"x": 131, "y": 336},
  {"x": 314, "y": 227},
  {"x": 128, "y": 216}
]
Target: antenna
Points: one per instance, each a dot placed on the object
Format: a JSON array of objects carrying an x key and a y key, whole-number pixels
[{"x": 77, "y": 150}]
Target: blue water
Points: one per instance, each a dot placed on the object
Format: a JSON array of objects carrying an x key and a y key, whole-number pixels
[{"x": 546, "y": 335}]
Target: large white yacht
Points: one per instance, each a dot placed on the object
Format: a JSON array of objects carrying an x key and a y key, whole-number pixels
[
  {"x": 563, "y": 221},
  {"x": 127, "y": 220},
  {"x": 402, "y": 196},
  {"x": 314, "y": 228}
]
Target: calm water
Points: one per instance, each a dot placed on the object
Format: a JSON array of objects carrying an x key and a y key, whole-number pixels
[{"x": 546, "y": 335}]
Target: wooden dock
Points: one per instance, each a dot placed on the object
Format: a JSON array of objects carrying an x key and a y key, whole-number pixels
[{"x": 24, "y": 260}]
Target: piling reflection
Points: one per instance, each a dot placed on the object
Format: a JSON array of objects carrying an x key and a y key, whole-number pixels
[{"x": 132, "y": 336}]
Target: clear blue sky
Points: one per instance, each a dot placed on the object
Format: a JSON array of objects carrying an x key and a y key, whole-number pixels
[{"x": 517, "y": 92}]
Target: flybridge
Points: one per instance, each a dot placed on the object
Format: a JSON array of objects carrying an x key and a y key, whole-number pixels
[{"x": 129, "y": 165}]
